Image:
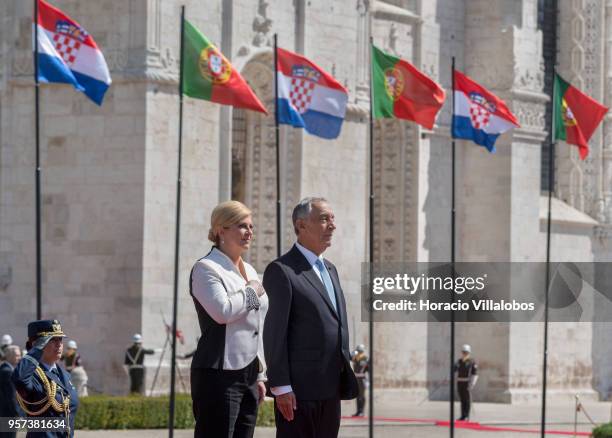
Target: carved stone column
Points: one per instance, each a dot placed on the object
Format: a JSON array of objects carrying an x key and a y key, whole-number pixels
[
  {"x": 363, "y": 39},
  {"x": 581, "y": 48},
  {"x": 607, "y": 143},
  {"x": 498, "y": 199},
  {"x": 397, "y": 205}
]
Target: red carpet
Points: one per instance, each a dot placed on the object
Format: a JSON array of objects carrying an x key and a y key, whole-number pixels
[{"x": 468, "y": 425}]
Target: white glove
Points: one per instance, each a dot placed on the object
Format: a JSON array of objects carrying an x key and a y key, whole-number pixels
[{"x": 473, "y": 381}]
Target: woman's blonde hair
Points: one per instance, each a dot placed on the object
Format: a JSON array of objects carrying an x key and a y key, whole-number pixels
[{"x": 224, "y": 215}]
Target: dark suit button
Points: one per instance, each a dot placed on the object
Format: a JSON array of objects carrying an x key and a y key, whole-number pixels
[{"x": 255, "y": 334}]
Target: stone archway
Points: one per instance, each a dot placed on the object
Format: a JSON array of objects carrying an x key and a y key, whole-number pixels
[{"x": 254, "y": 164}]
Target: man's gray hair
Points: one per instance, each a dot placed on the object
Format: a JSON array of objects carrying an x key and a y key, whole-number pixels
[
  {"x": 303, "y": 208},
  {"x": 10, "y": 352}
]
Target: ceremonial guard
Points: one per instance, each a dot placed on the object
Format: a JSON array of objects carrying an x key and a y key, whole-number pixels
[
  {"x": 74, "y": 365},
  {"x": 467, "y": 375},
  {"x": 134, "y": 360},
  {"x": 361, "y": 368},
  {"x": 43, "y": 388}
]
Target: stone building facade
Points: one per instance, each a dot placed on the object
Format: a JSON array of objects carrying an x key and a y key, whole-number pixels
[{"x": 109, "y": 174}]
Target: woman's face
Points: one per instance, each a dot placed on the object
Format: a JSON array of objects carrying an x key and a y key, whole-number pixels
[
  {"x": 53, "y": 350},
  {"x": 236, "y": 239}
]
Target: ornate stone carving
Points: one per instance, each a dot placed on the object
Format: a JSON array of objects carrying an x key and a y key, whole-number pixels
[
  {"x": 362, "y": 86},
  {"x": 117, "y": 60},
  {"x": 530, "y": 79},
  {"x": 239, "y": 155},
  {"x": 594, "y": 27},
  {"x": 392, "y": 47},
  {"x": 253, "y": 140},
  {"x": 362, "y": 7},
  {"x": 530, "y": 114},
  {"x": 579, "y": 181},
  {"x": 262, "y": 25},
  {"x": 394, "y": 189},
  {"x": 161, "y": 66},
  {"x": 606, "y": 158},
  {"x": 606, "y": 214},
  {"x": 23, "y": 65},
  {"x": 357, "y": 113}
]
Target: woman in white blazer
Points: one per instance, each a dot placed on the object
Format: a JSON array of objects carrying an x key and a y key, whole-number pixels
[{"x": 228, "y": 368}]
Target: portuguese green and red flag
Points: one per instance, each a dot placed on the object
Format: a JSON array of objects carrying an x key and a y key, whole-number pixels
[
  {"x": 576, "y": 115},
  {"x": 208, "y": 75},
  {"x": 400, "y": 90}
]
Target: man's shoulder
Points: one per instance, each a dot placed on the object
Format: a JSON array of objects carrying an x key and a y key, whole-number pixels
[
  {"x": 275, "y": 266},
  {"x": 6, "y": 371},
  {"x": 288, "y": 259}
]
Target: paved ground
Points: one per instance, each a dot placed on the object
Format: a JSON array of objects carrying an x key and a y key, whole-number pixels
[{"x": 392, "y": 415}]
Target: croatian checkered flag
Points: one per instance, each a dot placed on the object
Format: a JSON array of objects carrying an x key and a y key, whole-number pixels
[
  {"x": 479, "y": 115},
  {"x": 68, "y": 54},
  {"x": 309, "y": 97}
]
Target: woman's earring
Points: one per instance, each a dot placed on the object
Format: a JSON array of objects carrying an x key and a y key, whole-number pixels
[{"x": 222, "y": 241}]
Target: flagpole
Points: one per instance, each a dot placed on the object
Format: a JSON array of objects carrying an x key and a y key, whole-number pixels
[
  {"x": 452, "y": 326},
  {"x": 277, "y": 136},
  {"x": 371, "y": 256},
  {"x": 178, "y": 231},
  {"x": 37, "y": 169},
  {"x": 551, "y": 182}
]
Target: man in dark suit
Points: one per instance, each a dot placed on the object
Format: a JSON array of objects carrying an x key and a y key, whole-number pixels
[
  {"x": 8, "y": 401},
  {"x": 306, "y": 341}
]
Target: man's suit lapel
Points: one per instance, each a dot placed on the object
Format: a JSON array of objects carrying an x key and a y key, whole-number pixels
[
  {"x": 312, "y": 277},
  {"x": 314, "y": 280},
  {"x": 337, "y": 290}
]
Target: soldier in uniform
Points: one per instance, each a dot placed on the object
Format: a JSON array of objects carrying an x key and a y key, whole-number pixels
[
  {"x": 361, "y": 368},
  {"x": 134, "y": 360},
  {"x": 467, "y": 375},
  {"x": 43, "y": 388}
]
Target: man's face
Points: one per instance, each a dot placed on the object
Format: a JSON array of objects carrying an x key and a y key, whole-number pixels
[
  {"x": 13, "y": 356},
  {"x": 315, "y": 232}
]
